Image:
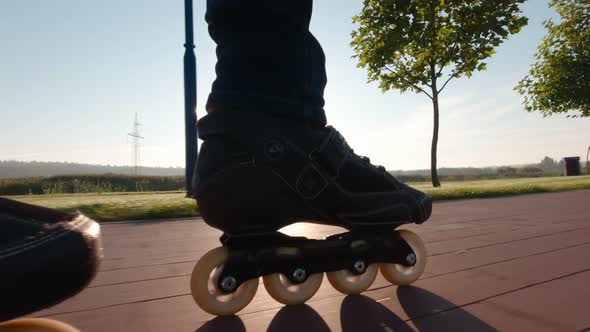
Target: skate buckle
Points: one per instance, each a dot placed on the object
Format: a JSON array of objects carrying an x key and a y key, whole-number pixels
[{"x": 275, "y": 149}]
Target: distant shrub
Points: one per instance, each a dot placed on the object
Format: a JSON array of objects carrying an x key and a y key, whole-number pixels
[
  {"x": 98, "y": 183},
  {"x": 411, "y": 178},
  {"x": 531, "y": 171}
]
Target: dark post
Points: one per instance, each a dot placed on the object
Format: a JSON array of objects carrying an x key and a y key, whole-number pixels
[
  {"x": 190, "y": 96},
  {"x": 571, "y": 166}
]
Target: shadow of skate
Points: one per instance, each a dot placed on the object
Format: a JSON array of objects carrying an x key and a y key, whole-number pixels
[
  {"x": 434, "y": 313},
  {"x": 297, "y": 319},
  {"x": 223, "y": 323},
  {"x": 429, "y": 311},
  {"x": 362, "y": 313}
]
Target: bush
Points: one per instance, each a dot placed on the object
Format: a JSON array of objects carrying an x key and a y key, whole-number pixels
[{"x": 68, "y": 184}]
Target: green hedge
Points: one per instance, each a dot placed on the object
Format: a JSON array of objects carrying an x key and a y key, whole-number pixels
[
  {"x": 67, "y": 184},
  {"x": 474, "y": 177},
  {"x": 99, "y": 183}
]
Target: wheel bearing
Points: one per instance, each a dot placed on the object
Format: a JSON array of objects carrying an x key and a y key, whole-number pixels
[
  {"x": 411, "y": 259},
  {"x": 228, "y": 284},
  {"x": 359, "y": 267},
  {"x": 299, "y": 275}
]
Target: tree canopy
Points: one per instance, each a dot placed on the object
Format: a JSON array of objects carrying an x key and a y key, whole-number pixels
[
  {"x": 559, "y": 81},
  {"x": 398, "y": 41},
  {"x": 411, "y": 44}
]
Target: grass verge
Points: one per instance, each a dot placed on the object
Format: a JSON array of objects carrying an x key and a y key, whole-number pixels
[
  {"x": 119, "y": 206},
  {"x": 503, "y": 187},
  {"x": 161, "y": 205}
]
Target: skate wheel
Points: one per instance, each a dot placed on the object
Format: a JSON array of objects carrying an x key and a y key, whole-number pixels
[
  {"x": 402, "y": 275},
  {"x": 36, "y": 325},
  {"x": 348, "y": 283},
  {"x": 284, "y": 291},
  {"x": 204, "y": 286}
]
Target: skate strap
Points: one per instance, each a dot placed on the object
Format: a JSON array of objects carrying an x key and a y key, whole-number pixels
[{"x": 267, "y": 139}]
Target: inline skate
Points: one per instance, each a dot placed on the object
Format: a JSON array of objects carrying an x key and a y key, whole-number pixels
[
  {"x": 250, "y": 183},
  {"x": 46, "y": 256}
]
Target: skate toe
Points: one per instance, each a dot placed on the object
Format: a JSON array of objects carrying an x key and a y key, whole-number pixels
[{"x": 425, "y": 209}]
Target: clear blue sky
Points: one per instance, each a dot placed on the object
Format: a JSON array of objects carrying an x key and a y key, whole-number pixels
[{"x": 73, "y": 74}]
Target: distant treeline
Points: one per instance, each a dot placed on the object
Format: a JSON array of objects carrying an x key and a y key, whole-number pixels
[
  {"x": 69, "y": 184},
  {"x": 76, "y": 183},
  {"x": 547, "y": 167},
  {"x": 20, "y": 169},
  {"x": 500, "y": 173}
]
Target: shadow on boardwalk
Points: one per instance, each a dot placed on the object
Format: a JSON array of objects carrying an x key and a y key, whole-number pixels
[{"x": 429, "y": 312}]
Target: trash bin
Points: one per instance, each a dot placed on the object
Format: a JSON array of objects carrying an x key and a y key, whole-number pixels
[{"x": 571, "y": 166}]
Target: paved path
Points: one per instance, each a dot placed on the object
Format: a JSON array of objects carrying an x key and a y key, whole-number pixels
[{"x": 510, "y": 264}]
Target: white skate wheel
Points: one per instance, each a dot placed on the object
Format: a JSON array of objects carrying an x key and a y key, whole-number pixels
[
  {"x": 36, "y": 325},
  {"x": 284, "y": 291},
  {"x": 348, "y": 283},
  {"x": 204, "y": 286},
  {"x": 398, "y": 274}
]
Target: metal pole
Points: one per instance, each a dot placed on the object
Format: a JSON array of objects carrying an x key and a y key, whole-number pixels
[
  {"x": 190, "y": 97},
  {"x": 587, "y": 162}
]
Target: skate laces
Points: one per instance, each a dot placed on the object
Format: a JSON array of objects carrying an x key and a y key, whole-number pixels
[
  {"x": 342, "y": 142},
  {"x": 367, "y": 162}
]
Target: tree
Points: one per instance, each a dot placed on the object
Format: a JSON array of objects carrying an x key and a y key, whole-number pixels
[
  {"x": 506, "y": 170},
  {"x": 410, "y": 45},
  {"x": 559, "y": 81},
  {"x": 531, "y": 171},
  {"x": 548, "y": 164}
]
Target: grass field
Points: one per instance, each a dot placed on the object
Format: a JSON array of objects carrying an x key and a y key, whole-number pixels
[
  {"x": 119, "y": 206},
  {"x": 159, "y": 205}
]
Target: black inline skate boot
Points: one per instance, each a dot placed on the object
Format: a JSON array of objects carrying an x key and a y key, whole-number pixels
[
  {"x": 261, "y": 180},
  {"x": 250, "y": 183},
  {"x": 46, "y": 256}
]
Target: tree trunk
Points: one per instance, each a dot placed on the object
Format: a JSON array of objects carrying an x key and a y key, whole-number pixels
[{"x": 433, "y": 170}]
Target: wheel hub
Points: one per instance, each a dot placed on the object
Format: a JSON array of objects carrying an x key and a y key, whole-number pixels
[
  {"x": 359, "y": 267},
  {"x": 229, "y": 284},
  {"x": 299, "y": 275},
  {"x": 411, "y": 259}
]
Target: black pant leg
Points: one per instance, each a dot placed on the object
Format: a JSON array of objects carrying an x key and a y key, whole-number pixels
[{"x": 267, "y": 60}]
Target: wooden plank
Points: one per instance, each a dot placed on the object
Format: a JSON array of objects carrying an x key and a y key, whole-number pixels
[{"x": 559, "y": 305}]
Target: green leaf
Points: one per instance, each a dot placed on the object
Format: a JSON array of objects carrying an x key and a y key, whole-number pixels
[{"x": 558, "y": 81}]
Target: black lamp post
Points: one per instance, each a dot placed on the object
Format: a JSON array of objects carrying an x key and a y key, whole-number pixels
[{"x": 190, "y": 96}]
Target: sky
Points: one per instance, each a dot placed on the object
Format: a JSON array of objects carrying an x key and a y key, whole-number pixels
[{"x": 74, "y": 73}]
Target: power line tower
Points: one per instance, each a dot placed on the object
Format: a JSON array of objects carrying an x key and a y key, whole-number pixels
[{"x": 136, "y": 145}]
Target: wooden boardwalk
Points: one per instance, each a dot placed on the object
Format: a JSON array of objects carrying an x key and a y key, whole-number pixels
[{"x": 510, "y": 264}]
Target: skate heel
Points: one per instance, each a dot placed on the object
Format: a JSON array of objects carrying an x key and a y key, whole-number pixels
[{"x": 261, "y": 203}]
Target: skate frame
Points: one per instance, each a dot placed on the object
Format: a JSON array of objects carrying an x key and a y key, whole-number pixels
[{"x": 252, "y": 256}]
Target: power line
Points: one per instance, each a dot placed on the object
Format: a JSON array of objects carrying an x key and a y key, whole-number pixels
[{"x": 136, "y": 145}]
